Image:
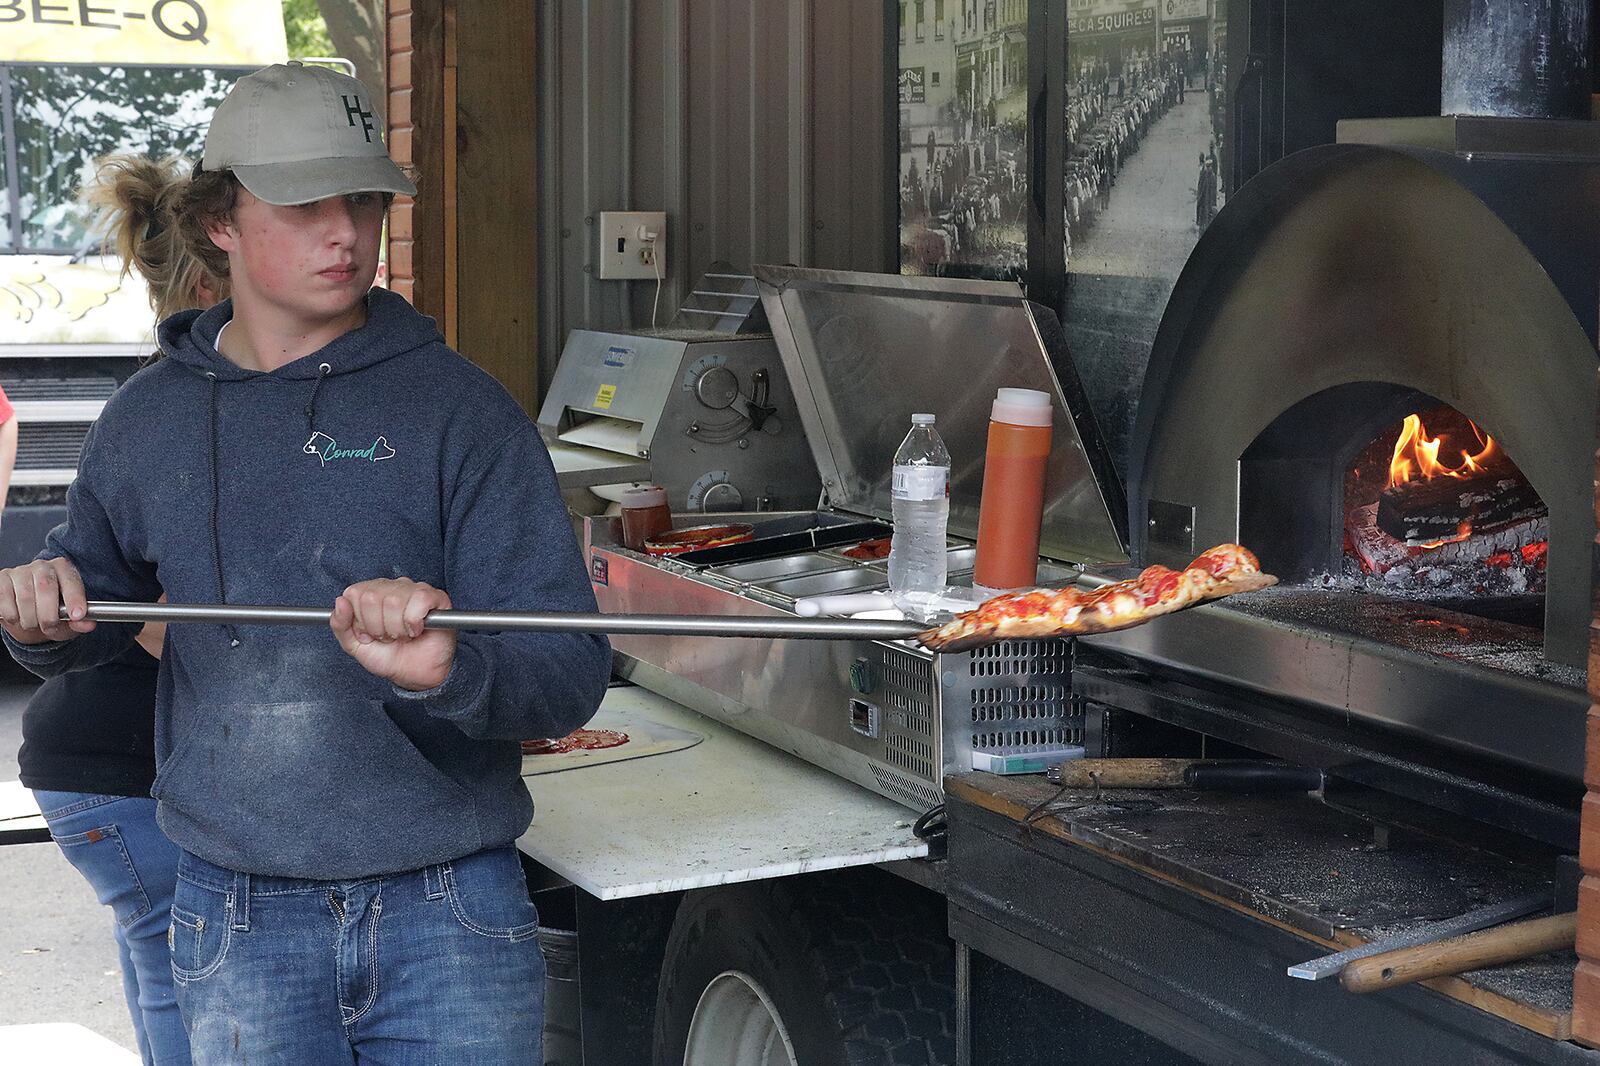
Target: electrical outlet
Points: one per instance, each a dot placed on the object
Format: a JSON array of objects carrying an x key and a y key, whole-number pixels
[{"x": 633, "y": 244}]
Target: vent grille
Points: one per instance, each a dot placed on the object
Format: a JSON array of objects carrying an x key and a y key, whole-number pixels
[
  {"x": 896, "y": 786},
  {"x": 906, "y": 696},
  {"x": 910, "y": 754},
  {"x": 50, "y": 445},
  {"x": 1033, "y": 658},
  {"x": 53, "y": 388},
  {"x": 1021, "y": 697}
]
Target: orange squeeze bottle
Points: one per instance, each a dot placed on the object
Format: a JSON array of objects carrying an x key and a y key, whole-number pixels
[{"x": 1012, "y": 507}]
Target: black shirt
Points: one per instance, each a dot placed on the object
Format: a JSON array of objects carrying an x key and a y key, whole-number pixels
[{"x": 94, "y": 730}]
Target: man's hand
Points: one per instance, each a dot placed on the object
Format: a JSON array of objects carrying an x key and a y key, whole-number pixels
[
  {"x": 379, "y": 624},
  {"x": 31, "y": 598}
]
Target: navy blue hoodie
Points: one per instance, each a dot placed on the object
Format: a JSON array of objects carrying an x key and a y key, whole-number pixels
[{"x": 385, "y": 454}]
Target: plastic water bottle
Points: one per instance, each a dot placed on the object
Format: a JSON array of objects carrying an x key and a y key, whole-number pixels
[{"x": 921, "y": 497}]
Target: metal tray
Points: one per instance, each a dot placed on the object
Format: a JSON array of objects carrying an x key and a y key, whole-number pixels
[
  {"x": 858, "y": 579},
  {"x": 782, "y": 567}
]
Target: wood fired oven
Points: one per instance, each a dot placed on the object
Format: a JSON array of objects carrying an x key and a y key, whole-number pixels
[{"x": 1445, "y": 268}]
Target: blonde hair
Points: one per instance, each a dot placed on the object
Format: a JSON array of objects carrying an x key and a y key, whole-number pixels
[{"x": 136, "y": 201}]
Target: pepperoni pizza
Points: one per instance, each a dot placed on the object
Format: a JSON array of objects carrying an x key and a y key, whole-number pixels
[{"x": 1222, "y": 571}]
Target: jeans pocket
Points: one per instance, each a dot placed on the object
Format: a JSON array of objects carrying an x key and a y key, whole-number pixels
[
  {"x": 201, "y": 930},
  {"x": 489, "y": 895},
  {"x": 101, "y": 856}
]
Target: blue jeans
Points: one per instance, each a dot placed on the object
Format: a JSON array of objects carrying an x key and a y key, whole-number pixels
[
  {"x": 437, "y": 966},
  {"x": 114, "y": 843}
]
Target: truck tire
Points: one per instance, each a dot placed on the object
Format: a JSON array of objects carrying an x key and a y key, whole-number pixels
[{"x": 847, "y": 969}]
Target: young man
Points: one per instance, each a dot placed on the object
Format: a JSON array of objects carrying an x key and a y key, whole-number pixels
[{"x": 346, "y": 803}]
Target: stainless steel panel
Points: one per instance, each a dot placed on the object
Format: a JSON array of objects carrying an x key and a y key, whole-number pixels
[
  {"x": 962, "y": 558},
  {"x": 865, "y": 351},
  {"x": 703, "y": 453},
  {"x": 1455, "y": 681},
  {"x": 797, "y": 695}
]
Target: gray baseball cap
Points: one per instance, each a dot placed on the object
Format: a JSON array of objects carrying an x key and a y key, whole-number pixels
[{"x": 292, "y": 134}]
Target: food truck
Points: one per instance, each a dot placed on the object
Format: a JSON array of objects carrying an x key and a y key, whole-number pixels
[
  {"x": 1263, "y": 260},
  {"x": 76, "y": 84}
]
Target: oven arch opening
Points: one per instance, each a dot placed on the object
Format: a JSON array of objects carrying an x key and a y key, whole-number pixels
[{"x": 1332, "y": 492}]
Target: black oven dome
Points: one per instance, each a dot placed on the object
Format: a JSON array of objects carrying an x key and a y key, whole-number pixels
[{"x": 1465, "y": 276}]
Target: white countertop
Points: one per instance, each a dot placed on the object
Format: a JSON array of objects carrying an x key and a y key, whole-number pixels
[{"x": 726, "y": 810}]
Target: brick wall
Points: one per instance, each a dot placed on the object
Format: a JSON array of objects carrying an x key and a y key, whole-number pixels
[
  {"x": 1586, "y": 981},
  {"x": 402, "y": 272}
]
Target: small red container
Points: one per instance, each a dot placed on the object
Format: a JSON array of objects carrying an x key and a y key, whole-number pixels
[{"x": 645, "y": 516}]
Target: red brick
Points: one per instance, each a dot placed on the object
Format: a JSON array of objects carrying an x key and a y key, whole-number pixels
[
  {"x": 1586, "y": 1003},
  {"x": 400, "y": 70},
  {"x": 1589, "y": 853},
  {"x": 400, "y": 222},
  {"x": 400, "y": 33},
  {"x": 1589, "y": 918},
  {"x": 1591, "y": 775},
  {"x": 400, "y": 108},
  {"x": 403, "y": 287},
  {"x": 400, "y": 260},
  {"x": 400, "y": 146}
]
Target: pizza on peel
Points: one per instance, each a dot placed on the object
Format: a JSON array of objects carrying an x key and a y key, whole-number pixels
[{"x": 1222, "y": 571}]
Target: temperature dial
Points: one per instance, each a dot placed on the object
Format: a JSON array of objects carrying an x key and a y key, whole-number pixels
[
  {"x": 697, "y": 369},
  {"x": 714, "y": 491}
]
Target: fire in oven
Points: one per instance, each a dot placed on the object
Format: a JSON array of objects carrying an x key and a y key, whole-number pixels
[{"x": 1444, "y": 514}]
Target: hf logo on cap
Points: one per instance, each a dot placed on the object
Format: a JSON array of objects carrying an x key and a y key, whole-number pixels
[{"x": 353, "y": 111}]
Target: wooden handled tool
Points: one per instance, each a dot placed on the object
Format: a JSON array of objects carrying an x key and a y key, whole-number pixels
[
  {"x": 1506, "y": 943},
  {"x": 1223, "y": 775}
]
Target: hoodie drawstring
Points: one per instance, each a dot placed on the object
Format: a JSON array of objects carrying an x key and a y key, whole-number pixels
[
  {"x": 216, "y": 504},
  {"x": 323, "y": 370}
]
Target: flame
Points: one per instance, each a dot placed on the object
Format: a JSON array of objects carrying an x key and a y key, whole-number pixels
[{"x": 1416, "y": 456}]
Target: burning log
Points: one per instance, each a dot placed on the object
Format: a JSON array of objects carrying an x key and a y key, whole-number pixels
[
  {"x": 1447, "y": 509},
  {"x": 1522, "y": 542}
]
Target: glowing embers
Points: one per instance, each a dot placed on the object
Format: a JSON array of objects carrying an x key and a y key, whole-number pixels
[{"x": 1436, "y": 506}]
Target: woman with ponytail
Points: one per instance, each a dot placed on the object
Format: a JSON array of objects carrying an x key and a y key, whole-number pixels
[{"x": 88, "y": 737}]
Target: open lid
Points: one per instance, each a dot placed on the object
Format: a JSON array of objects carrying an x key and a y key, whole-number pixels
[{"x": 865, "y": 351}]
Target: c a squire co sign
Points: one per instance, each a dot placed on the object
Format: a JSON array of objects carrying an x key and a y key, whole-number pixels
[
  {"x": 211, "y": 33},
  {"x": 1100, "y": 18}
]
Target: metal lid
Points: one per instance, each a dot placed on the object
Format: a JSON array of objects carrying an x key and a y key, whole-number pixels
[{"x": 865, "y": 351}]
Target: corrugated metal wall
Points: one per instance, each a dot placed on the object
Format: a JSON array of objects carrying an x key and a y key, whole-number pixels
[{"x": 761, "y": 128}]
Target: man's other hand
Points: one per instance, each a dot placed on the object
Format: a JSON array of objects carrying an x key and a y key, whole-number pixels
[
  {"x": 379, "y": 624},
  {"x": 31, "y": 598}
]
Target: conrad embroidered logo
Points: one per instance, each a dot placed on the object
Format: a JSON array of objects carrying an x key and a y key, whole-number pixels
[
  {"x": 327, "y": 449},
  {"x": 353, "y": 110}
]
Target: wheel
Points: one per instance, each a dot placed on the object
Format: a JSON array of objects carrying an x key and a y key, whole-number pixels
[{"x": 847, "y": 969}]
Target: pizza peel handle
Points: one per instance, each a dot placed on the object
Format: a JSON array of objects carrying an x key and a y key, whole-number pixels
[{"x": 771, "y": 627}]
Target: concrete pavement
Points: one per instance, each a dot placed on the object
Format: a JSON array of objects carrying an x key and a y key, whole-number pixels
[{"x": 58, "y": 962}]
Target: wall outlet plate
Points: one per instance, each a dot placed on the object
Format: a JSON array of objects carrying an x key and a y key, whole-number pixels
[{"x": 626, "y": 250}]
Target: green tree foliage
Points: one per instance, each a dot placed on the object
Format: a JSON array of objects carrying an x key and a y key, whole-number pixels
[
  {"x": 66, "y": 117},
  {"x": 303, "y": 24}
]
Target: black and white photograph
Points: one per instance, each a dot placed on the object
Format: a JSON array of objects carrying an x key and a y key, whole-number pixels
[
  {"x": 963, "y": 178},
  {"x": 1144, "y": 154}
]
